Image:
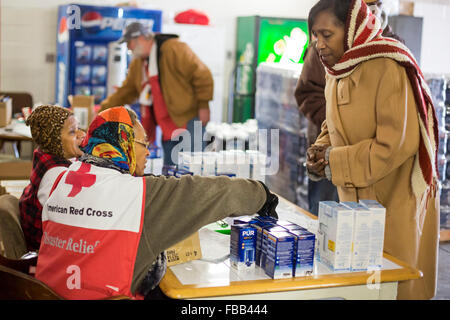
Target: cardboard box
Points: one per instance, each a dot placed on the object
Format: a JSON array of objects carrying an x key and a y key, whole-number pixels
[
  {"x": 335, "y": 235},
  {"x": 83, "y": 109},
  {"x": 377, "y": 227},
  {"x": 362, "y": 221},
  {"x": 5, "y": 110},
  {"x": 184, "y": 251},
  {"x": 303, "y": 253},
  {"x": 15, "y": 169},
  {"x": 242, "y": 246},
  {"x": 406, "y": 8},
  {"x": 280, "y": 254}
]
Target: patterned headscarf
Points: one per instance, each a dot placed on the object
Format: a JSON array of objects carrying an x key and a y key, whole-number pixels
[
  {"x": 111, "y": 136},
  {"x": 46, "y": 123}
]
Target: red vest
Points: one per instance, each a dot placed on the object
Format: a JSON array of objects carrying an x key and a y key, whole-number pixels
[{"x": 92, "y": 225}]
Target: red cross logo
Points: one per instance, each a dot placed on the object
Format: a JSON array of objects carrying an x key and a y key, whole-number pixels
[{"x": 79, "y": 179}]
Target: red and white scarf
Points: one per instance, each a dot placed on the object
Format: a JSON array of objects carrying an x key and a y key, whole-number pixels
[{"x": 362, "y": 42}]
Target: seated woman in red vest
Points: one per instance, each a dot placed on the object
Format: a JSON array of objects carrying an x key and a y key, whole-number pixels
[
  {"x": 55, "y": 130},
  {"x": 106, "y": 226}
]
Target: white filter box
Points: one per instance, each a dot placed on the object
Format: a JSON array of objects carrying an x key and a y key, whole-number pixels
[
  {"x": 362, "y": 219},
  {"x": 322, "y": 228},
  {"x": 209, "y": 163},
  {"x": 257, "y": 161},
  {"x": 148, "y": 166},
  {"x": 225, "y": 163},
  {"x": 157, "y": 166},
  {"x": 336, "y": 232},
  {"x": 190, "y": 161},
  {"x": 240, "y": 163},
  {"x": 377, "y": 227}
]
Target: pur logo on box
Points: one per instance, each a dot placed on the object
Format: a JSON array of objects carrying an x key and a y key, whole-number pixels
[{"x": 248, "y": 233}]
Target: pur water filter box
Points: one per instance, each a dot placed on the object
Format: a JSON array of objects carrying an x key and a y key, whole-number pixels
[
  {"x": 182, "y": 172},
  {"x": 286, "y": 224},
  {"x": 265, "y": 231},
  {"x": 361, "y": 236},
  {"x": 244, "y": 220},
  {"x": 377, "y": 226},
  {"x": 259, "y": 224},
  {"x": 293, "y": 227},
  {"x": 280, "y": 254},
  {"x": 303, "y": 253},
  {"x": 191, "y": 161},
  {"x": 335, "y": 235},
  {"x": 209, "y": 163},
  {"x": 242, "y": 246}
]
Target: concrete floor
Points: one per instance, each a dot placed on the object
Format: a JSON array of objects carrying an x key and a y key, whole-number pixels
[{"x": 443, "y": 286}]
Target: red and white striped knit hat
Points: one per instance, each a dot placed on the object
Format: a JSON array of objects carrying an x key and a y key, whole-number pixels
[{"x": 362, "y": 42}]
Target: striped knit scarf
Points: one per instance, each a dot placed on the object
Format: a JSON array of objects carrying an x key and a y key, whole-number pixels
[{"x": 362, "y": 42}]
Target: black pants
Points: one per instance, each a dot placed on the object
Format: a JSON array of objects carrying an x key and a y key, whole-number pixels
[{"x": 322, "y": 190}]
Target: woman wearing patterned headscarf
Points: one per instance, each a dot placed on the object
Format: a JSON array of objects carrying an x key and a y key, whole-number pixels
[
  {"x": 54, "y": 129},
  {"x": 121, "y": 222},
  {"x": 379, "y": 140}
]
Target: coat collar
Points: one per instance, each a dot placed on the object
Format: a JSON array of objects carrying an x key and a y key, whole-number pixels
[{"x": 356, "y": 75}]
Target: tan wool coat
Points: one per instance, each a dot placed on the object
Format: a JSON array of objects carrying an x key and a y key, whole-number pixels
[{"x": 372, "y": 125}]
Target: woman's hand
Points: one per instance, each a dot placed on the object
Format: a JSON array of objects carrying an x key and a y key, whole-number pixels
[{"x": 315, "y": 162}]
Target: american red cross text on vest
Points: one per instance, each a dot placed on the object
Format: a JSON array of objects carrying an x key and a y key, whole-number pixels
[{"x": 79, "y": 179}]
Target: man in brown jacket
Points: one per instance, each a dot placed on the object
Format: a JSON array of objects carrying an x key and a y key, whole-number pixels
[{"x": 173, "y": 86}]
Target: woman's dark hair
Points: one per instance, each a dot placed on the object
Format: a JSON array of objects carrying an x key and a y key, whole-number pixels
[{"x": 339, "y": 8}]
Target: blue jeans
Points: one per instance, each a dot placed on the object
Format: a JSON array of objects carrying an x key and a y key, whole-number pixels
[
  {"x": 188, "y": 146},
  {"x": 322, "y": 190}
]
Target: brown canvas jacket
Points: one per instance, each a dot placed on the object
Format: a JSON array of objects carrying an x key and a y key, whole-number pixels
[{"x": 186, "y": 82}]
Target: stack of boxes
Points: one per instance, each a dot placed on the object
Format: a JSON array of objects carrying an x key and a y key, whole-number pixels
[
  {"x": 441, "y": 101},
  {"x": 276, "y": 108},
  {"x": 242, "y": 246},
  {"x": 282, "y": 248},
  {"x": 154, "y": 163},
  {"x": 351, "y": 235},
  {"x": 248, "y": 164}
]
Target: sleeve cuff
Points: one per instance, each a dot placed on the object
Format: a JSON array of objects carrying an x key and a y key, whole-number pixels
[
  {"x": 203, "y": 104},
  {"x": 339, "y": 165},
  {"x": 314, "y": 177}
]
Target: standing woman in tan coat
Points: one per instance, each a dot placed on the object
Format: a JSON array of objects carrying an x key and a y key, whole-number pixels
[{"x": 379, "y": 139}]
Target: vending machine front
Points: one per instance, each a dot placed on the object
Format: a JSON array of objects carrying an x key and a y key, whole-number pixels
[{"x": 89, "y": 59}]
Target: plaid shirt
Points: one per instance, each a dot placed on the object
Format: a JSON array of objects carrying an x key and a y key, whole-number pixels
[{"x": 30, "y": 207}]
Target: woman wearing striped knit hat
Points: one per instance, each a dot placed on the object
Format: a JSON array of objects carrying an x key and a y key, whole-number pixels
[{"x": 380, "y": 138}]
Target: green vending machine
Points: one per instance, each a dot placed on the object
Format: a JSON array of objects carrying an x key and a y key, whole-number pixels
[{"x": 263, "y": 39}]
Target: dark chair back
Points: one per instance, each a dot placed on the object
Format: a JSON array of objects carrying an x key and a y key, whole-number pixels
[{"x": 16, "y": 285}]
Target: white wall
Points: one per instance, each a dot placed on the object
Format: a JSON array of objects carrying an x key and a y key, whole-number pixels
[
  {"x": 435, "y": 36},
  {"x": 28, "y": 29},
  {"x": 28, "y": 33}
]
